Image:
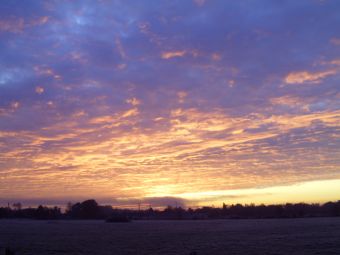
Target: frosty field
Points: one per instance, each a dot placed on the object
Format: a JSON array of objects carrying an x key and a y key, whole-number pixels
[{"x": 271, "y": 236}]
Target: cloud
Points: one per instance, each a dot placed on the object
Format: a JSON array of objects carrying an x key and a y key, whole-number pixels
[
  {"x": 131, "y": 112},
  {"x": 15, "y": 105},
  {"x": 335, "y": 41},
  {"x": 291, "y": 102},
  {"x": 159, "y": 99},
  {"x": 172, "y": 54},
  {"x": 172, "y": 161},
  {"x": 133, "y": 101},
  {"x": 39, "y": 90},
  {"x": 18, "y": 25},
  {"x": 335, "y": 62},
  {"x": 308, "y": 77},
  {"x": 14, "y": 26},
  {"x": 181, "y": 96},
  {"x": 120, "y": 48},
  {"x": 199, "y": 2}
]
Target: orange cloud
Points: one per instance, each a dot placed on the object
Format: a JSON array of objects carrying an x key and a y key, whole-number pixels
[
  {"x": 290, "y": 101},
  {"x": 102, "y": 119},
  {"x": 112, "y": 156},
  {"x": 130, "y": 113},
  {"x": 42, "y": 70},
  {"x": 305, "y": 77},
  {"x": 39, "y": 90},
  {"x": 173, "y": 54},
  {"x": 335, "y": 62},
  {"x": 216, "y": 57}
]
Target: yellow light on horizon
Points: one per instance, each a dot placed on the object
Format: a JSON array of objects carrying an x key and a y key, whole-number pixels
[{"x": 308, "y": 192}]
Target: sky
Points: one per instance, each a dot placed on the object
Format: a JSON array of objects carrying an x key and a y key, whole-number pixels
[{"x": 193, "y": 102}]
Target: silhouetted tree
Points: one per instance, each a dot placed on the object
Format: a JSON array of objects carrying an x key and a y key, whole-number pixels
[
  {"x": 17, "y": 206},
  {"x": 89, "y": 209}
]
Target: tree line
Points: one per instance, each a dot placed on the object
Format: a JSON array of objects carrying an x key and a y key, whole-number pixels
[{"x": 90, "y": 209}]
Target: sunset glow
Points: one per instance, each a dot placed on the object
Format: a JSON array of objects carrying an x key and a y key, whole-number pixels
[{"x": 197, "y": 102}]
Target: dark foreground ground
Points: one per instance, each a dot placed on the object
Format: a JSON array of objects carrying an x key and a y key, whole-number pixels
[{"x": 271, "y": 236}]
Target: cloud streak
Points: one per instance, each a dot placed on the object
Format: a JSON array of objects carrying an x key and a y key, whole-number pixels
[{"x": 304, "y": 76}]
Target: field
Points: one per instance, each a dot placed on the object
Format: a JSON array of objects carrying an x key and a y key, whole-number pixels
[{"x": 271, "y": 236}]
